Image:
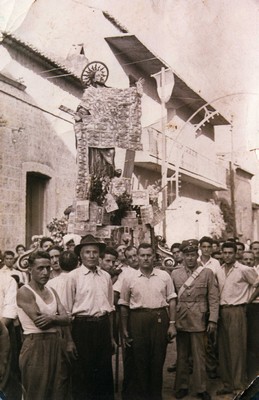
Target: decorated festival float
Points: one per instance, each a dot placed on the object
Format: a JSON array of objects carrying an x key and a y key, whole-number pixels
[{"x": 106, "y": 205}]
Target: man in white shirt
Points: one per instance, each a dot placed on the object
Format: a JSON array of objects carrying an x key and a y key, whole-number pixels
[
  {"x": 89, "y": 298},
  {"x": 235, "y": 281},
  {"x": 8, "y": 267},
  {"x": 148, "y": 317},
  {"x": 205, "y": 260},
  {"x": 254, "y": 246}
]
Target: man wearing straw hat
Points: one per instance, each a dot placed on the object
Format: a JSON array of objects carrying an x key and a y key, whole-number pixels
[{"x": 89, "y": 298}]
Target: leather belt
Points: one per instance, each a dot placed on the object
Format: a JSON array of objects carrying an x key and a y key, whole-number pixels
[
  {"x": 90, "y": 318},
  {"x": 232, "y": 305},
  {"x": 148, "y": 309}
]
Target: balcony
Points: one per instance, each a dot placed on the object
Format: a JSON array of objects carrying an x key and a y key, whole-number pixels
[{"x": 193, "y": 166}]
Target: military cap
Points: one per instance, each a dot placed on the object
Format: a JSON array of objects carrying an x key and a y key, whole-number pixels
[{"x": 189, "y": 245}]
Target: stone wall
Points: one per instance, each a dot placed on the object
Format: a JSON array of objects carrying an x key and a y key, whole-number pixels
[{"x": 29, "y": 143}]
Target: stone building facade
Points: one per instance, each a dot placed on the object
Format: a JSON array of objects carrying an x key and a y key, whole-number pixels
[{"x": 38, "y": 170}]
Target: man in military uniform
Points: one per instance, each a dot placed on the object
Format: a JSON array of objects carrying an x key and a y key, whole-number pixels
[{"x": 196, "y": 313}]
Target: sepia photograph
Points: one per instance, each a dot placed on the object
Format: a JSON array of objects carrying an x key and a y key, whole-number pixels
[{"x": 129, "y": 207}]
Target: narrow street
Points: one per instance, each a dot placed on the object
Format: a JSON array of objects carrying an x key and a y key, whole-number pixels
[{"x": 212, "y": 384}]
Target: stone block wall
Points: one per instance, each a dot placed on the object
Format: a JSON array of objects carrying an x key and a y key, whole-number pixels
[{"x": 29, "y": 143}]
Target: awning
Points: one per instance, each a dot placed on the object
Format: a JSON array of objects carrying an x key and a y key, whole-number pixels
[{"x": 130, "y": 51}]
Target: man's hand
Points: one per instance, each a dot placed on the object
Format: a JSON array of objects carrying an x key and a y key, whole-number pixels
[
  {"x": 71, "y": 350},
  {"x": 114, "y": 345},
  {"x": 212, "y": 330},
  {"x": 44, "y": 321},
  {"x": 126, "y": 340},
  {"x": 171, "y": 333}
]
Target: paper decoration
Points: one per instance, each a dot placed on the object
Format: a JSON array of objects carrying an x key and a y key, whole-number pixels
[
  {"x": 104, "y": 232},
  {"x": 82, "y": 210},
  {"x": 111, "y": 204},
  {"x": 146, "y": 214},
  {"x": 96, "y": 214},
  {"x": 140, "y": 198},
  {"x": 85, "y": 228},
  {"x": 114, "y": 118},
  {"x": 120, "y": 186},
  {"x": 158, "y": 216}
]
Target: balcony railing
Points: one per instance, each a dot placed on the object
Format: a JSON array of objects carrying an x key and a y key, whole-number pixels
[{"x": 187, "y": 159}]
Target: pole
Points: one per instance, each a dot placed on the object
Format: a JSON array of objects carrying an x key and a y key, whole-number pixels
[
  {"x": 164, "y": 161},
  {"x": 232, "y": 183}
]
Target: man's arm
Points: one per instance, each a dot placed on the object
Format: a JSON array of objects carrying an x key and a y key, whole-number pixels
[
  {"x": 45, "y": 321},
  {"x": 126, "y": 340},
  {"x": 124, "y": 307},
  {"x": 9, "y": 311},
  {"x": 213, "y": 300},
  {"x": 171, "y": 333},
  {"x": 26, "y": 300},
  {"x": 4, "y": 349},
  {"x": 249, "y": 275}
]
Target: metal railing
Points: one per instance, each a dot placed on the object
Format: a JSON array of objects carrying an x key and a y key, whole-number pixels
[{"x": 184, "y": 157}]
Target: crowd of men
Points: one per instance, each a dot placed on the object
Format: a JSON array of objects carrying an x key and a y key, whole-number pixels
[{"x": 63, "y": 317}]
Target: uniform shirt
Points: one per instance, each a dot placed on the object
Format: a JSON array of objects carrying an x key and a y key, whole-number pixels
[
  {"x": 88, "y": 293},
  {"x": 8, "y": 291},
  {"x": 235, "y": 285},
  {"x": 139, "y": 291},
  {"x": 212, "y": 263},
  {"x": 199, "y": 301}
]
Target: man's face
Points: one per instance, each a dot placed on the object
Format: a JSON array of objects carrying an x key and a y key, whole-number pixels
[
  {"x": 46, "y": 245},
  {"x": 90, "y": 256},
  {"x": 177, "y": 255},
  {"x": 70, "y": 245},
  {"x": 229, "y": 255},
  {"x": 206, "y": 249},
  {"x": 54, "y": 259},
  {"x": 132, "y": 258},
  {"x": 40, "y": 271},
  {"x": 145, "y": 258},
  {"x": 20, "y": 251},
  {"x": 255, "y": 250},
  {"x": 108, "y": 262},
  {"x": 9, "y": 261},
  {"x": 120, "y": 250},
  {"x": 214, "y": 247},
  {"x": 239, "y": 253},
  {"x": 248, "y": 259},
  {"x": 190, "y": 259}
]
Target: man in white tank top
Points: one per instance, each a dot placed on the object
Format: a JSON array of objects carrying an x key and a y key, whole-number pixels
[{"x": 42, "y": 355}]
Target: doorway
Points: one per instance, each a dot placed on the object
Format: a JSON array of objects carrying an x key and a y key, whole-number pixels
[{"x": 35, "y": 204}]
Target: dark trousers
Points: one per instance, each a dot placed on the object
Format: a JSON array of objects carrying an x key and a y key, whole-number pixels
[
  {"x": 252, "y": 340},
  {"x": 211, "y": 354},
  {"x": 92, "y": 377},
  {"x": 232, "y": 346},
  {"x": 148, "y": 330},
  {"x": 194, "y": 341}
]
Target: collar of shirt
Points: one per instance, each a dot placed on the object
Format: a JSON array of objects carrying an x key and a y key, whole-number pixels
[
  {"x": 204, "y": 263},
  {"x": 235, "y": 265},
  {"x": 188, "y": 271},
  {"x": 87, "y": 271},
  {"x": 139, "y": 273}
]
